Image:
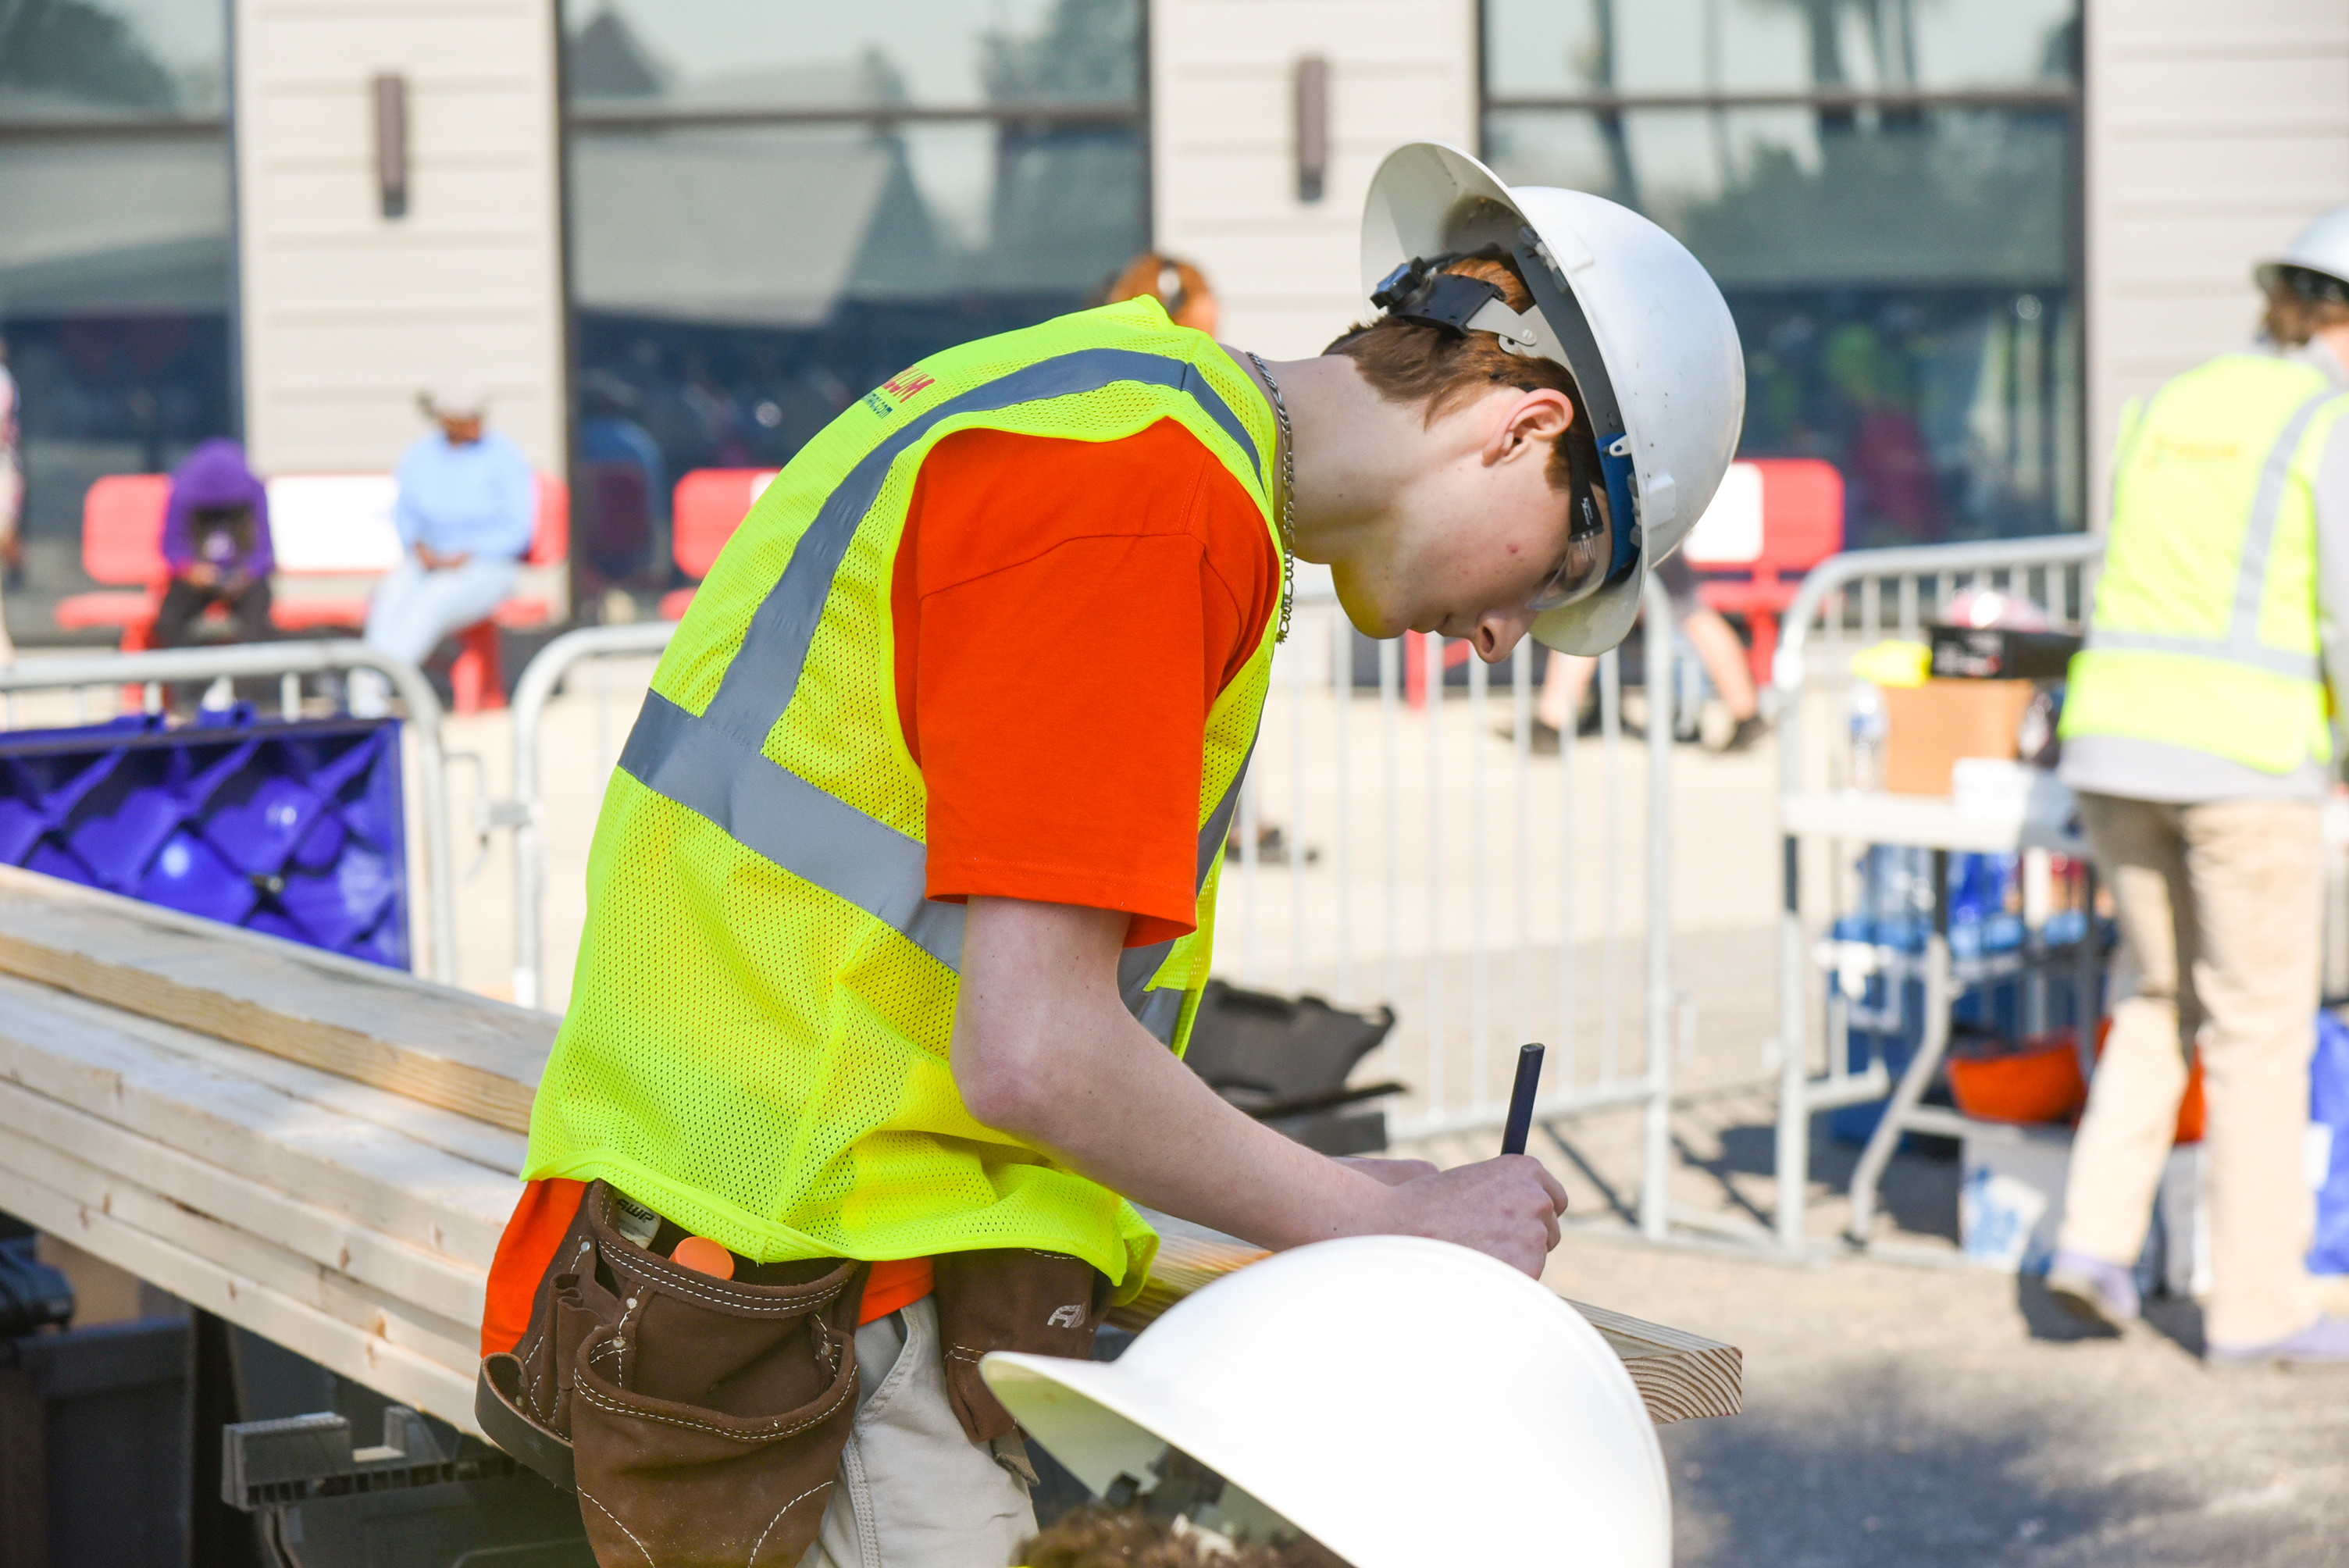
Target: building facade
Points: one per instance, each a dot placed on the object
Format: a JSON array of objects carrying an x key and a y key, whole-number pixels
[{"x": 1957, "y": 234}]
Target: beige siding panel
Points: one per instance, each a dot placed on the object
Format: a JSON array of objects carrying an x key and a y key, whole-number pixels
[
  {"x": 349, "y": 313},
  {"x": 1223, "y": 174},
  {"x": 2213, "y": 132}
]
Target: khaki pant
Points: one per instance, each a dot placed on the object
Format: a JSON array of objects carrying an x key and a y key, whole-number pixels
[
  {"x": 913, "y": 1491},
  {"x": 2219, "y": 907}
]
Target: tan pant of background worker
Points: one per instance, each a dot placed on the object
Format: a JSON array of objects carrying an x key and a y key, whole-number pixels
[{"x": 2219, "y": 906}]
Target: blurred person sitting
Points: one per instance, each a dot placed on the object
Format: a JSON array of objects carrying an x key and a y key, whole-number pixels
[
  {"x": 216, "y": 547},
  {"x": 1567, "y": 678},
  {"x": 1180, "y": 289},
  {"x": 2197, "y": 730},
  {"x": 468, "y": 505}
]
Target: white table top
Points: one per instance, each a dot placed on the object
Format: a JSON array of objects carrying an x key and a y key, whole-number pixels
[{"x": 1932, "y": 821}]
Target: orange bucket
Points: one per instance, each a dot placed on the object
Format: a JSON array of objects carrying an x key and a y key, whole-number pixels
[{"x": 2039, "y": 1082}]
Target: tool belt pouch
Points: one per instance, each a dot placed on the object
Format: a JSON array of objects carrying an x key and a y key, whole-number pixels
[
  {"x": 706, "y": 1417},
  {"x": 1009, "y": 1298}
]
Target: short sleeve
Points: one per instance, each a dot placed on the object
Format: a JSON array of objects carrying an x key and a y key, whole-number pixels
[{"x": 1067, "y": 614}]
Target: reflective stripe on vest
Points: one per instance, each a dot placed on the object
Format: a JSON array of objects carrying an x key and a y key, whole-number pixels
[
  {"x": 2242, "y": 643},
  {"x": 713, "y": 764}
]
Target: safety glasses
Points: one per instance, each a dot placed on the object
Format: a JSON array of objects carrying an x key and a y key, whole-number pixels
[{"x": 1580, "y": 570}]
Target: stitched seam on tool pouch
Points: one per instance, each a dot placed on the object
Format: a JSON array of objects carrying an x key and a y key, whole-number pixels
[
  {"x": 624, "y": 1529},
  {"x": 684, "y": 1282},
  {"x": 752, "y": 1560},
  {"x": 585, "y": 1392}
]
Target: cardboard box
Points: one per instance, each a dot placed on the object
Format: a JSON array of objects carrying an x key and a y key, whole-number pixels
[{"x": 1928, "y": 727}]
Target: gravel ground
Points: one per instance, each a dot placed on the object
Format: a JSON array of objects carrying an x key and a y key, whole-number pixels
[{"x": 1914, "y": 1416}]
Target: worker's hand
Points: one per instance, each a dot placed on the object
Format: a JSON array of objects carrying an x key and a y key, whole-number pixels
[
  {"x": 200, "y": 574},
  {"x": 1506, "y": 1207},
  {"x": 428, "y": 557},
  {"x": 1387, "y": 1173}
]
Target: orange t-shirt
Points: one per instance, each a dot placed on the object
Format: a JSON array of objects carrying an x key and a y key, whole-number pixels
[{"x": 1066, "y": 613}]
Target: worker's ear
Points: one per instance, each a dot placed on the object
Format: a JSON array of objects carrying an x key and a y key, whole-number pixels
[{"x": 1529, "y": 427}]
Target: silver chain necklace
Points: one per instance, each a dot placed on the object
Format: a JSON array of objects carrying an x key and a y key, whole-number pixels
[{"x": 1287, "y": 498}]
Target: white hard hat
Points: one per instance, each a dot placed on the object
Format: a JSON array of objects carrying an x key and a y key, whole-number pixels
[
  {"x": 2321, "y": 247},
  {"x": 1403, "y": 1401},
  {"x": 1626, "y": 308}
]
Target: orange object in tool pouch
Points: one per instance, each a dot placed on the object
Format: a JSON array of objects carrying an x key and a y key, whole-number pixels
[{"x": 703, "y": 1255}]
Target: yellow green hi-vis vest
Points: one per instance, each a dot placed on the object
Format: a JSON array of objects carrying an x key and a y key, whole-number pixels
[
  {"x": 2205, "y": 629},
  {"x": 756, "y": 1044}
]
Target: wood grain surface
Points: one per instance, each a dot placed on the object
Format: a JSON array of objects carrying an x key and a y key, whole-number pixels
[
  {"x": 426, "y": 1042},
  {"x": 1682, "y": 1377}
]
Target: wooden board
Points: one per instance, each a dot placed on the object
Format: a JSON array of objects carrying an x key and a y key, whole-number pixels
[
  {"x": 325, "y": 1152},
  {"x": 285, "y": 1200},
  {"x": 429, "y": 1043},
  {"x": 1682, "y": 1377}
]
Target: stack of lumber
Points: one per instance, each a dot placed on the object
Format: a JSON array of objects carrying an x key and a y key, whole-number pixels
[
  {"x": 315, "y": 1149},
  {"x": 326, "y": 1152}
]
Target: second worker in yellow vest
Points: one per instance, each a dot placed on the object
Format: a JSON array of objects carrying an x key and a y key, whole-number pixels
[{"x": 2197, "y": 729}]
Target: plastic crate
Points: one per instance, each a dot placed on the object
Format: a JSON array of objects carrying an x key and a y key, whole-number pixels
[
  {"x": 1876, "y": 966},
  {"x": 292, "y": 828}
]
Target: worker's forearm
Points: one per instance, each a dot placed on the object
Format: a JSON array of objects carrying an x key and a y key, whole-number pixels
[
  {"x": 1125, "y": 1112},
  {"x": 1044, "y": 1049},
  {"x": 1064, "y": 1066}
]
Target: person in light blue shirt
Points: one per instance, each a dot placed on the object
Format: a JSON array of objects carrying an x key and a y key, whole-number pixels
[{"x": 468, "y": 504}]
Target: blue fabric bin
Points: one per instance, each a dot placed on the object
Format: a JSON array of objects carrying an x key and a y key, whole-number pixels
[{"x": 292, "y": 828}]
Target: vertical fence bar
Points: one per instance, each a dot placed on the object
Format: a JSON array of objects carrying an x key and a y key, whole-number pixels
[
  {"x": 1480, "y": 979},
  {"x": 1567, "y": 1073},
  {"x": 1610, "y": 873},
  {"x": 1389, "y": 827},
  {"x": 1431, "y": 652},
  {"x": 1655, "y": 1184},
  {"x": 1521, "y": 740},
  {"x": 1293, "y": 839},
  {"x": 1341, "y": 695}
]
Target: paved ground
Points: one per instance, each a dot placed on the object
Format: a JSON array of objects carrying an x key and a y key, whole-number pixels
[{"x": 1904, "y": 1416}]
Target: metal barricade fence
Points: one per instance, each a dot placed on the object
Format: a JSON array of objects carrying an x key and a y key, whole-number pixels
[
  {"x": 525, "y": 812},
  {"x": 288, "y": 661},
  {"x": 1848, "y": 601},
  {"x": 1384, "y": 854}
]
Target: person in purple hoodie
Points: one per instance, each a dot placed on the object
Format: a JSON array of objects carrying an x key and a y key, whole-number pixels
[{"x": 216, "y": 545}]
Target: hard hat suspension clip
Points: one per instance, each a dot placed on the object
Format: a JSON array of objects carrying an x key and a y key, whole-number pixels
[{"x": 1420, "y": 290}]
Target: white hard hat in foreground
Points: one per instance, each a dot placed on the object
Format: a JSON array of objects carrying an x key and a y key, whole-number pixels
[
  {"x": 1621, "y": 304},
  {"x": 2320, "y": 247},
  {"x": 1404, "y": 1402}
]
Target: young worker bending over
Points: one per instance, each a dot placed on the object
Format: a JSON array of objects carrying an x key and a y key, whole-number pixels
[{"x": 902, "y": 899}]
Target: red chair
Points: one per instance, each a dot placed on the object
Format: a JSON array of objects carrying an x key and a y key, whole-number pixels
[
  {"x": 705, "y": 508},
  {"x": 122, "y": 547},
  {"x": 1801, "y": 525}
]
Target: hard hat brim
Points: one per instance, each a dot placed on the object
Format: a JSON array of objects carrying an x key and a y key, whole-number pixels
[{"x": 1097, "y": 1422}]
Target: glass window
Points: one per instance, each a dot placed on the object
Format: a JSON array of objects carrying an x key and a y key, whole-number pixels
[
  {"x": 116, "y": 265},
  {"x": 776, "y": 204},
  {"x": 1888, "y": 194},
  {"x": 1573, "y": 48},
  {"x": 111, "y": 59}
]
